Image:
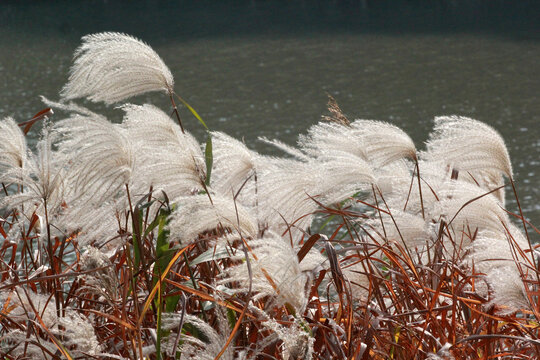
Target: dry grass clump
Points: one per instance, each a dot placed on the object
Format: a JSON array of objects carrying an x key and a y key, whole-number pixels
[{"x": 133, "y": 241}]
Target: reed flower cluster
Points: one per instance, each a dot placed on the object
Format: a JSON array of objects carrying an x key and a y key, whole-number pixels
[{"x": 135, "y": 241}]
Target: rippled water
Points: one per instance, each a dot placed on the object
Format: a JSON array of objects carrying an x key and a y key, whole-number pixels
[{"x": 262, "y": 77}]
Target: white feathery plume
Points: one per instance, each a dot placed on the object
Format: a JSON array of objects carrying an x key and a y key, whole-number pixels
[
  {"x": 467, "y": 208},
  {"x": 101, "y": 162},
  {"x": 12, "y": 145},
  {"x": 194, "y": 348},
  {"x": 150, "y": 126},
  {"x": 410, "y": 229},
  {"x": 112, "y": 67},
  {"x": 296, "y": 343},
  {"x": 284, "y": 189},
  {"x": 394, "y": 179},
  {"x": 70, "y": 107},
  {"x": 437, "y": 185},
  {"x": 275, "y": 270},
  {"x": 471, "y": 147},
  {"x": 383, "y": 142},
  {"x": 233, "y": 164},
  {"x": 76, "y": 331},
  {"x": 171, "y": 160},
  {"x": 467, "y": 145},
  {"x": 487, "y": 180},
  {"x": 405, "y": 193},
  {"x": 508, "y": 290},
  {"x": 77, "y": 334},
  {"x": 489, "y": 251},
  {"x": 313, "y": 261},
  {"x": 378, "y": 142},
  {"x": 359, "y": 280},
  {"x": 25, "y": 346},
  {"x": 288, "y": 188},
  {"x": 326, "y": 136},
  {"x": 499, "y": 257},
  {"x": 342, "y": 175},
  {"x": 42, "y": 179},
  {"x": 22, "y": 300},
  {"x": 294, "y": 152},
  {"x": 103, "y": 280},
  {"x": 100, "y": 155},
  {"x": 196, "y": 214},
  {"x": 95, "y": 223}
]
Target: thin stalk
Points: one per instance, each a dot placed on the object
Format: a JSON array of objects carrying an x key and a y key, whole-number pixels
[
  {"x": 61, "y": 254},
  {"x": 257, "y": 201},
  {"x": 129, "y": 199},
  {"x": 175, "y": 109},
  {"x": 159, "y": 330},
  {"x": 132, "y": 278},
  {"x": 57, "y": 291},
  {"x": 135, "y": 298},
  {"x": 525, "y": 228},
  {"x": 148, "y": 209},
  {"x": 5, "y": 189},
  {"x": 192, "y": 277},
  {"x": 180, "y": 326},
  {"x": 379, "y": 212},
  {"x": 410, "y": 189},
  {"x": 420, "y": 189},
  {"x": 244, "y": 310}
]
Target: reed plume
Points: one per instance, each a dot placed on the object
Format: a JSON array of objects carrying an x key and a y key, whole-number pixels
[
  {"x": 401, "y": 227},
  {"x": 112, "y": 67},
  {"x": 285, "y": 188},
  {"x": 234, "y": 164},
  {"x": 100, "y": 155},
  {"x": 42, "y": 180},
  {"x": 467, "y": 208},
  {"x": 171, "y": 159},
  {"x": 383, "y": 142},
  {"x": 324, "y": 137},
  {"x": 296, "y": 342},
  {"x": 192, "y": 347},
  {"x": 467, "y": 145},
  {"x": 474, "y": 149},
  {"x": 198, "y": 214},
  {"x": 276, "y": 273},
  {"x": 13, "y": 150},
  {"x": 287, "y": 149},
  {"x": 355, "y": 175}
]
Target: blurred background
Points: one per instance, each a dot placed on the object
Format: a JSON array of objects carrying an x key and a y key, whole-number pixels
[{"x": 264, "y": 68}]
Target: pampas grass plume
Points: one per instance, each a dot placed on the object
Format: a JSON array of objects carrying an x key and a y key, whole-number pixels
[
  {"x": 112, "y": 67},
  {"x": 197, "y": 214},
  {"x": 467, "y": 144},
  {"x": 170, "y": 159},
  {"x": 12, "y": 145}
]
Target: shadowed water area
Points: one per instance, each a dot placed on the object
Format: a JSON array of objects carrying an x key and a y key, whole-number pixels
[{"x": 264, "y": 68}]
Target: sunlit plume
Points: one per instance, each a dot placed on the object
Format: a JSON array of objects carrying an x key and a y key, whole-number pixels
[{"x": 112, "y": 67}]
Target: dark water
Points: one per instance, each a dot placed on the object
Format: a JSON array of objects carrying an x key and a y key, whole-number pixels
[{"x": 254, "y": 68}]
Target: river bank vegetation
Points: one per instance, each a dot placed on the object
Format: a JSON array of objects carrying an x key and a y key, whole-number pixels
[{"x": 134, "y": 241}]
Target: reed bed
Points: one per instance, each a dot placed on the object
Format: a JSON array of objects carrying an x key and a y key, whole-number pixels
[{"x": 134, "y": 241}]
